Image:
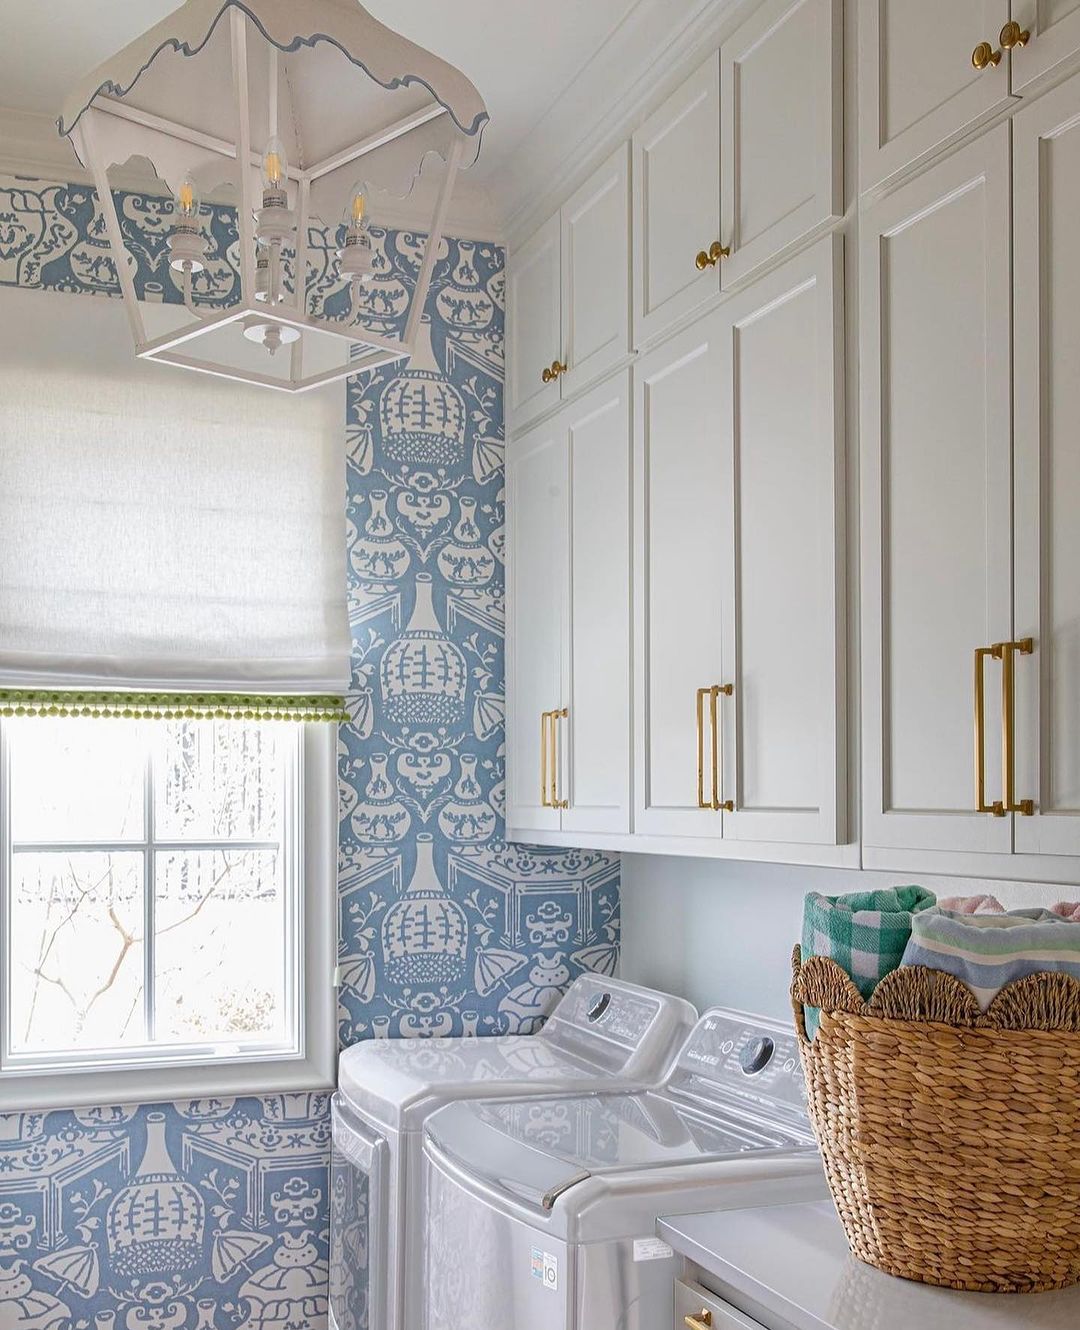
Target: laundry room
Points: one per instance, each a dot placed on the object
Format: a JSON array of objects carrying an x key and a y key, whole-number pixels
[{"x": 539, "y": 665}]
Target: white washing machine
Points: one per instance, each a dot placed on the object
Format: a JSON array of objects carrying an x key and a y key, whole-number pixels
[
  {"x": 542, "y": 1214},
  {"x": 602, "y": 1033}
]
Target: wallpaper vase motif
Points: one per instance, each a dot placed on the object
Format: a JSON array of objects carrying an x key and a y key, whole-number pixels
[{"x": 213, "y": 1214}]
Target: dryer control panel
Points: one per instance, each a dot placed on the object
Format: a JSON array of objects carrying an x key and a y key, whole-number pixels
[{"x": 730, "y": 1055}]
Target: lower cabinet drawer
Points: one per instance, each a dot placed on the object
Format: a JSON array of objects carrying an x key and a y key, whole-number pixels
[{"x": 696, "y": 1309}]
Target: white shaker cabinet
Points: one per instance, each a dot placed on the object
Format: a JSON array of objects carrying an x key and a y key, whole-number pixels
[
  {"x": 676, "y": 184},
  {"x": 1046, "y": 402},
  {"x": 537, "y": 518},
  {"x": 568, "y": 304},
  {"x": 935, "y": 502},
  {"x": 1048, "y": 36},
  {"x": 533, "y": 324},
  {"x": 569, "y": 730},
  {"x": 781, "y": 82},
  {"x": 595, "y": 226},
  {"x": 680, "y": 476},
  {"x": 918, "y": 86},
  {"x": 781, "y": 518}
]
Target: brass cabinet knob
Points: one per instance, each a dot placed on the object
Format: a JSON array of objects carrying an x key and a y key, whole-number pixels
[
  {"x": 984, "y": 55},
  {"x": 1013, "y": 35},
  {"x": 711, "y": 257},
  {"x": 699, "y": 1322},
  {"x": 553, "y": 371}
]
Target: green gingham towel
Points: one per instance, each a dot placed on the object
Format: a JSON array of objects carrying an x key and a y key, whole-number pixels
[{"x": 865, "y": 933}]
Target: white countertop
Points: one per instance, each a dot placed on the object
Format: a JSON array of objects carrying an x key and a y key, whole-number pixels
[{"x": 793, "y": 1262}]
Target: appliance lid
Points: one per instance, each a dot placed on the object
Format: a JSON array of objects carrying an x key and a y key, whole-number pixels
[
  {"x": 537, "y": 1149},
  {"x": 602, "y": 1031}
]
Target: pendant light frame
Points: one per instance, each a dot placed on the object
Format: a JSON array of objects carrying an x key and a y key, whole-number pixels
[{"x": 369, "y": 349}]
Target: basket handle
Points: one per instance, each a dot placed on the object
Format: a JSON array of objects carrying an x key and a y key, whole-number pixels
[{"x": 797, "y": 1006}]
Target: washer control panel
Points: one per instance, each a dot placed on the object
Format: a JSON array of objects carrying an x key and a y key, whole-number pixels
[{"x": 729, "y": 1054}]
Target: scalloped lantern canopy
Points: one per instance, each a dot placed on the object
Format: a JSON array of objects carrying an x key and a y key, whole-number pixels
[{"x": 328, "y": 109}]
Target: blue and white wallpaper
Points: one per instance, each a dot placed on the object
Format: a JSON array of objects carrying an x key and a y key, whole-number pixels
[{"x": 213, "y": 1214}]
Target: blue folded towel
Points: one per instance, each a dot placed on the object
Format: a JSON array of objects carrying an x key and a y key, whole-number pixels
[{"x": 988, "y": 951}]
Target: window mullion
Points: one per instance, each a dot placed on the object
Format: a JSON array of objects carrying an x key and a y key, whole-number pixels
[{"x": 149, "y": 897}]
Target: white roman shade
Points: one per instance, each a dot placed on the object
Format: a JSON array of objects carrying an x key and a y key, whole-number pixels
[{"x": 162, "y": 533}]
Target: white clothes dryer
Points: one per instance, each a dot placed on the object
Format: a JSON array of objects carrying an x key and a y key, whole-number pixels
[
  {"x": 542, "y": 1214},
  {"x": 603, "y": 1034}
]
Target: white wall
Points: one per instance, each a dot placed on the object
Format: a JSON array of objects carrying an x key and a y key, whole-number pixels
[{"x": 719, "y": 932}]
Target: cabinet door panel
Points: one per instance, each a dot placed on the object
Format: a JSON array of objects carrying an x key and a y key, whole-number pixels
[
  {"x": 596, "y": 274},
  {"x": 534, "y": 324},
  {"x": 781, "y": 87},
  {"x": 1046, "y": 303},
  {"x": 678, "y": 484},
  {"x": 676, "y": 203},
  {"x": 597, "y": 666},
  {"x": 917, "y": 86},
  {"x": 783, "y": 607},
  {"x": 936, "y": 501},
  {"x": 1055, "y": 37},
  {"x": 537, "y": 598}
]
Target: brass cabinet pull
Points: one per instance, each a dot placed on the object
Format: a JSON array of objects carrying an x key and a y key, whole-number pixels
[
  {"x": 1013, "y": 35},
  {"x": 552, "y": 372},
  {"x": 545, "y": 717},
  {"x": 714, "y": 801},
  {"x": 711, "y": 257},
  {"x": 1009, "y": 651},
  {"x": 556, "y": 716},
  {"x": 718, "y": 804},
  {"x": 702, "y": 694},
  {"x": 702, "y": 1321},
  {"x": 982, "y": 654},
  {"x": 985, "y": 55}
]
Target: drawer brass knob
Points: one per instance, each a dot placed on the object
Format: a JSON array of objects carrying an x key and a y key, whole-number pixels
[
  {"x": 701, "y": 1321},
  {"x": 984, "y": 55},
  {"x": 711, "y": 257},
  {"x": 1013, "y": 35},
  {"x": 552, "y": 372}
]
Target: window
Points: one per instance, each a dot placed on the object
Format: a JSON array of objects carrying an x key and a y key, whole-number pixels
[{"x": 153, "y": 917}]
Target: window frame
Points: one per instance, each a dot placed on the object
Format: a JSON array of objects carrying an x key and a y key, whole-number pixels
[{"x": 156, "y": 1073}]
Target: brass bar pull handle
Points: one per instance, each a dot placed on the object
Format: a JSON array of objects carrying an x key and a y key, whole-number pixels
[
  {"x": 718, "y": 805},
  {"x": 1009, "y": 650},
  {"x": 982, "y": 654},
  {"x": 556, "y": 716},
  {"x": 545, "y": 716},
  {"x": 702, "y": 694},
  {"x": 702, "y": 1321}
]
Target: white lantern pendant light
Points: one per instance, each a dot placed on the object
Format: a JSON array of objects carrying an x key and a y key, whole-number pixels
[{"x": 306, "y": 108}]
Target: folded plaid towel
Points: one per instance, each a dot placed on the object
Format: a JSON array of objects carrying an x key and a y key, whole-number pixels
[
  {"x": 988, "y": 951},
  {"x": 865, "y": 933}
]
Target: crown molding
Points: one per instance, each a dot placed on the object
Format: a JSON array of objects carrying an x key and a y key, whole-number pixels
[
  {"x": 650, "y": 53},
  {"x": 31, "y": 148}
]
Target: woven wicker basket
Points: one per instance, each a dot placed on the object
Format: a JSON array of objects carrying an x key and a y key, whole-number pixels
[{"x": 951, "y": 1139}]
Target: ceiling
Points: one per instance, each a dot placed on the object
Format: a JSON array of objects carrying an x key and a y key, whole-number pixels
[{"x": 521, "y": 54}]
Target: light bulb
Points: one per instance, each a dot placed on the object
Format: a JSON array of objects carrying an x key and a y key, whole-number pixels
[
  {"x": 187, "y": 204},
  {"x": 275, "y": 167},
  {"x": 355, "y": 258}
]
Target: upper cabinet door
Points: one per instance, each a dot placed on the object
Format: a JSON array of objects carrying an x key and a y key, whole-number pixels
[
  {"x": 677, "y": 204},
  {"x": 1053, "y": 28},
  {"x": 595, "y": 737},
  {"x": 783, "y": 735},
  {"x": 534, "y": 325},
  {"x": 781, "y": 81},
  {"x": 596, "y": 275},
  {"x": 537, "y": 516},
  {"x": 679, "y": 482},
  {"x": 936, "y": 498},
  {"x": 918, "y": 87},
  {"x": 1046, "y": 304}
]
